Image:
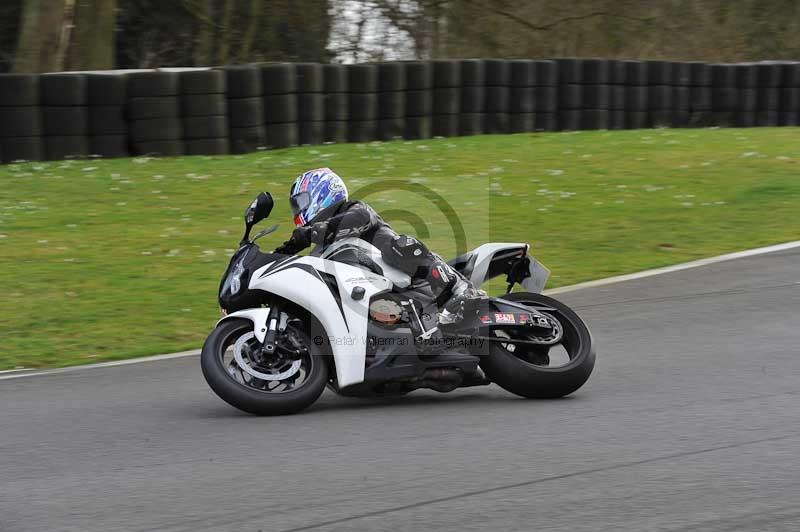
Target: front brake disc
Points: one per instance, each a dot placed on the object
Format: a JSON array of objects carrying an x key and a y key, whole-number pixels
[{"x": 242, "y": 362}]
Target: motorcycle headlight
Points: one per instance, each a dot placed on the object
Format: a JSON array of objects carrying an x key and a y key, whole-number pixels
[
  {"x": 236, "y": 278},
  {"x": 233, "y": 282}
]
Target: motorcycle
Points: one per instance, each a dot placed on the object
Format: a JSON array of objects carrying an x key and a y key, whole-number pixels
[{"x": 342, "y": 317}]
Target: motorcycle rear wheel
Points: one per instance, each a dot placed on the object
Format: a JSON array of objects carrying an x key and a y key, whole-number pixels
[
  {"x": 526, "y": 373},
  {"x": 257, "y": 396}
]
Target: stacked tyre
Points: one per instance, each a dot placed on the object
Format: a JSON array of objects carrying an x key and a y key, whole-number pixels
[
  {"x": 280, "y": 104},
  {"x": 245, "y": 108},
  {"x": 681, "y": 94},
  {"x": 498, "y": 77},
  {"x": 65, "y": 115},
  {"x": 768, "y": 104},
  {"x": 446, "y": 98},
  {"x": 522, "y": 97},
  {"x": 472, "y": 97},
  {"x": 362, "y": 84},
  {"x": 570, "y": 93},
  {"x": 790, "y": 94},
  {"x": 335, "y": 103},
  {"x": 419, "y": 100},
  {"x": 660, "y": 81},
  {"x": 617, "y": 77},
  {"x": 310, "y": 103},
  {"x": 546, "y": 96},
  {"x": 596, "y": 94},
  {"x": 204, "y": 112},
  {"x": 391, "y": 100},
  {"x": 20, "y": 118},
  {"x": 724, "y": 95},
  {"x": 700, "y": 109},
  {"x": 746, "y": 75},
  {"x": 636, "y": 95},
  {"x": 154, "y": 113},
  {"x": 108, "y": 123}
]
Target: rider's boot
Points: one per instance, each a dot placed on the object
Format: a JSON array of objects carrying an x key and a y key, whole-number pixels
[{"x": 462, "y": 294}]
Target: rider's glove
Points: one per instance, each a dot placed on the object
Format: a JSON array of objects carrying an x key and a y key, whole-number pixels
[
  {"x": 301, "y": 239},
  {"x": 286, "y": 248}
]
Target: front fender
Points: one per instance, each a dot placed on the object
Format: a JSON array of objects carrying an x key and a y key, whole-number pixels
[
  {"x": 325, "y": 289},
  {"x": 257, "y": 315}
]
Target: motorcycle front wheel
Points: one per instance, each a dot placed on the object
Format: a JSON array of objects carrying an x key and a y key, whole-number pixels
[
  {"x": 531, "y": 370},
  {"x": 285, "y": 382}
]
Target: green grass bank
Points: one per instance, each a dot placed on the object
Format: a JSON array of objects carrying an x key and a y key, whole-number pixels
[{"x": 111, "y": 259}]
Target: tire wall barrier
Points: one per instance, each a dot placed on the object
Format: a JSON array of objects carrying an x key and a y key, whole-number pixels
[
  {"x": 20, "y": 118},
  {"x": 391, "y": 100},
  {"x": 419, "y": 100},
  {"x": 498, "y": 77},
  {"x": 240, "y": 109},
  {"x": 446, "y": 98},
  {"x": 204, "y": 112},
  {"x": 108, "y": 119},
  {"x": 279, "y": 81},
  {"x": 65, "y": 115},
  {"x": 310, "y": 103},
  {"x": 245, "y": 101},
  {"x": 362, "y": 102}
]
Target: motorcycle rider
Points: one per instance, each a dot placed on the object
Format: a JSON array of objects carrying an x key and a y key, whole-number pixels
[{"x": 324, "y": 214}]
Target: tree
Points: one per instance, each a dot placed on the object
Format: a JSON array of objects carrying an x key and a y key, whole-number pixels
[
  {"x": 41, "y": 43},
  {"x": 57, "y": 35},
  {"x": 710, "y": 30},
  {"x": 9, "y": 30},
  {"x": 212, "y": 32},
  {"x": 93, "y": 37}
]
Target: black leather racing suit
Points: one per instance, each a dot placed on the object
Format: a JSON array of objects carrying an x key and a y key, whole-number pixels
[{"x": 348, "y": 219}]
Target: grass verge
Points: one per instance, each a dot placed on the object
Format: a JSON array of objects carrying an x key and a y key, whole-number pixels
[{"x": 111, "y": 259}]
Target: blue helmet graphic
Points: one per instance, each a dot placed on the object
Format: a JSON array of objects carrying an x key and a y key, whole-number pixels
[{"x": 314, "y": 191}]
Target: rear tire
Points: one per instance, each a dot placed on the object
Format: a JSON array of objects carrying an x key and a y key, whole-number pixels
[
  {"x": 249, "y": 399},
  {"x": 534, "y": 381}
]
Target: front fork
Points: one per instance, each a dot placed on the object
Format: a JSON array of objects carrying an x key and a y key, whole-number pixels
[
  {"x": 273, "y": 322},
  {"x": 275, "y": 325}
]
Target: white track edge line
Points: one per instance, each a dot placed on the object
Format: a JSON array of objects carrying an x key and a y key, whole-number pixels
[
  {"x": 111, "y": 364},
  {"x": 676, "y": 267},
  {"x": 22, "y": 373}
]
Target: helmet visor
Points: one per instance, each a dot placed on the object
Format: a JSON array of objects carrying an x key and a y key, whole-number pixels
[{"x": 300, "y": 202}]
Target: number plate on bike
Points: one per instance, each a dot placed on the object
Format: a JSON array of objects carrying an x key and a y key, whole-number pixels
[{"x": 539, "y": 274}]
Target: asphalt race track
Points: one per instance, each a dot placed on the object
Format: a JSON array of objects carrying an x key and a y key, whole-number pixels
[{"x": 691, "y": 421}]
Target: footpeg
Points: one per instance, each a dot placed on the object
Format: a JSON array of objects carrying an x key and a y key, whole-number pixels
[
  {"x": 417, "y": 324},
  {"x": 447, "y": 318}
]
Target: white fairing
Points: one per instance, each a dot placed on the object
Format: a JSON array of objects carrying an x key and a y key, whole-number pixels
[
  {"x": 486, "y": 253},
  {"x": 399, "y": 278},
  {"x": 257, "y": 315},
  {"x": 299, "y": 279}
]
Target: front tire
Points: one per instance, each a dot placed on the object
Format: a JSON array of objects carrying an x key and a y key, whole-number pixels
[
  {"x": 257, "y": 396},
  {"x": 528, "y": 375}
]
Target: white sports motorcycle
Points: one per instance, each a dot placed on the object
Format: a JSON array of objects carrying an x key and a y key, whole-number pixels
[{"x": 343, "y": 318}]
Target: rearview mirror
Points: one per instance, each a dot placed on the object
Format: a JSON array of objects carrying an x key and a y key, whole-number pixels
[{"x": 258, "y": 209}]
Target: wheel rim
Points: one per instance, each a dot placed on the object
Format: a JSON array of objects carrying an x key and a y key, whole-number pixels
[
  {"x": 285, "y": 371},
  {"x": 555, "y": 356}
]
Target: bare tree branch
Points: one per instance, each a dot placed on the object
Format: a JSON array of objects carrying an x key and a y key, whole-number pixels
[
  {"x": 558, "y": 22},
  {"x": 198, "y": 12}
]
